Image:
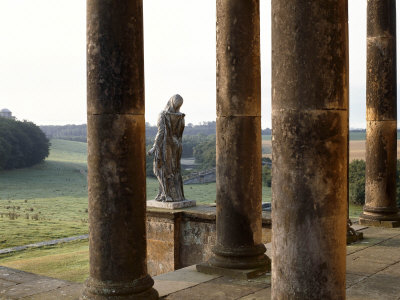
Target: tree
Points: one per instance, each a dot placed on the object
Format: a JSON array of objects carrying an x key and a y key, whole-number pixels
[
  {"x": 266, "y": 171},
  {"x": 357, "y": 182},
  {"x": 205, "y": 152},
  {"x": 22, "y": 144}
]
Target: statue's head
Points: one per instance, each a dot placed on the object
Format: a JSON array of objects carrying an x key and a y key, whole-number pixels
[{"x": 174, "y": 103}]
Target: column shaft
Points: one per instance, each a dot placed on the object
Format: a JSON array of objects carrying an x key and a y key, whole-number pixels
[
  {"x": 381, "y": 144},
  {"x": 309, "y": 142},
  {"x": 116, "y": 152},
  {"x": 239, "y": 221}
]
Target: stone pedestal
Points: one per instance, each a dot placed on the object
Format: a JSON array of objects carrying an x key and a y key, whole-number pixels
[
  {"x": 381, "y": 146},
  {"x": 309, "y": 148},
  {"x": 238, "y": 244},
  {"x": 171, "y": 205},
  {"x": 116, "y": 152}
]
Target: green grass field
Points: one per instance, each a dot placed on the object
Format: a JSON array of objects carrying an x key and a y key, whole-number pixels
[
  {"x": 49, "y": 201},
  {"x": 69, "y": 261}
]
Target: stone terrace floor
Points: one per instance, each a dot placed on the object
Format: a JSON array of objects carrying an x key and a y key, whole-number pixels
[{"x": 373, "y": 272}]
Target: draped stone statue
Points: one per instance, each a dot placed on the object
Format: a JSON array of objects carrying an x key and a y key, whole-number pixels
[{"x": 167, "y": 151}]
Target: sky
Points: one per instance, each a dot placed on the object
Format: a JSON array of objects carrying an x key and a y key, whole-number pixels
[{"x": 43, "y": 53}]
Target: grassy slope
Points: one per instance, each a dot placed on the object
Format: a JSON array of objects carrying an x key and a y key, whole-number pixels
[
  {"x": 46, "y": 201},
  {"x": 55, "y": 192},
  {"x": 68, "y": 261},
  {"x": 49, "y": 200}
]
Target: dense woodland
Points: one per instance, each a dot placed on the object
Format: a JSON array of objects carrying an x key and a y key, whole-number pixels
[{"x": 22, "y": 144}]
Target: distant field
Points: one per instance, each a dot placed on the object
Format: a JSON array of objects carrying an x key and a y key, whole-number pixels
[
  {"x": 357, "y": 146},
  {"x": 354, "y": 136}
]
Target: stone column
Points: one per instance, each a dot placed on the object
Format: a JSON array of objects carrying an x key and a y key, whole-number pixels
[
  {"x": 381, "y": 145},
  {"x": 116, "y": 152},
  {"x": 238, "y": 244},
  {"x": 309, "y": 141}
]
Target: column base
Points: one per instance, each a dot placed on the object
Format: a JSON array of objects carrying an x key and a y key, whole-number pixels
[
  {"x": 377, "y": 223},
  {"x": 388, "y": 220},
  {"x": 240, "y": 262},
  {"x": 244, "y": 274},
  {"x": 140, "y": 289}
]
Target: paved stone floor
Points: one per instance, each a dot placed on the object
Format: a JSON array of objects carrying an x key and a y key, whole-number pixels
[{"x": 373, "y": 273}]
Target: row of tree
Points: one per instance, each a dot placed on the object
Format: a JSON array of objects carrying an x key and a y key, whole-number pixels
[
  {"x": 22, "y": 144},
  {"x": 357, "y": 182},
  {"x": 66, "y": 132},
  {"x": 79, "y": 132}
]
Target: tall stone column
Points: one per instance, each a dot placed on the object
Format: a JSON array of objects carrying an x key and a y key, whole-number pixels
[
  {"x": 381, "y": 145},
  {"x": 309, "y": 141},
  {"x": 239, "y": 223},
  {"x": 116, "y": 152}
]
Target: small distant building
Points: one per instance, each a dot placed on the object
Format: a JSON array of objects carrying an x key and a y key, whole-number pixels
[{"x": 6, "y": 113}]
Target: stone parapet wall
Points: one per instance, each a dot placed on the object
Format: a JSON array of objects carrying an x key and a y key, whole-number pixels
[{"x": 184, "y": 237}]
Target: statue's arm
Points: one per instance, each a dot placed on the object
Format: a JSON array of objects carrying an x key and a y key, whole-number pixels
[
  {"x": 160, "y": 135},
  {"x": 182, "y": 125}
]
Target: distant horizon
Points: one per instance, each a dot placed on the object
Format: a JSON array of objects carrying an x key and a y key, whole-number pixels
[
  {"x": 198, "y": 124},
  {"x": 153, "y": 124}
]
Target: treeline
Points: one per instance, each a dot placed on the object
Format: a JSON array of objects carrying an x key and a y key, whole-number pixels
[
  {"x": 76, "y": 133},
  {"x": 357, "y": 182},
  {"x": 79, "y": 132},
  {"x": 22, "y": 144}
]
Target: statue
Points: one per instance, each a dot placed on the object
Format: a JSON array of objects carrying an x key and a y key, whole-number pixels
[{"x": 167, "y": 151}]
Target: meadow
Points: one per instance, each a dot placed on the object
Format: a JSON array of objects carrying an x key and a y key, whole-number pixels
[{"x": 49, "y": 201}]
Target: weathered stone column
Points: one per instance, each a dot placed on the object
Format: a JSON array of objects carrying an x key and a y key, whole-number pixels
[
  {"x": 381, "y": 145},
  {"x": 309, "y": 141},
  {"x": 116, "y": 152},
  {"x": 238, "y": 244}
]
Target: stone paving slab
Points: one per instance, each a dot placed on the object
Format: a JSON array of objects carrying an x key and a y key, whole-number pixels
[
  {"x": 370, "y": 276},
  {"x": 27, "y": 289},
  {"x": 181, "y": 279},
  {"x": 4, "y": 284},
  {"x": 219, "y": 289},
  {"x": 69, "y": 292},
  {"x": 17, "y": 276},
  {"x": 392, "y": 270},
  {"x": 352, "y": 279},
  {"x": 264, "y": 294},
  {"x": 374, "y": 237},
  {"x": 379, "y": 286}
]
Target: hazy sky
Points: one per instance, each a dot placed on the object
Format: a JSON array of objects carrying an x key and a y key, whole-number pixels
[{"x": 42, "y": 59}]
